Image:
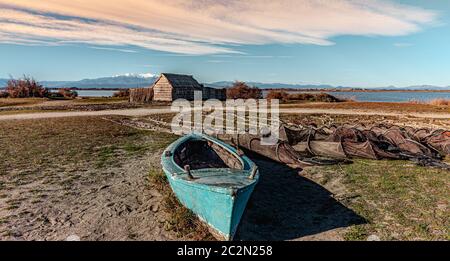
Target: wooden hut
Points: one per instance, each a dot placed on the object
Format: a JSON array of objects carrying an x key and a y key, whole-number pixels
[{"x": 170, "y": 87}]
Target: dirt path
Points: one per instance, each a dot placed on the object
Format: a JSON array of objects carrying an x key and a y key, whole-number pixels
[{"x": 146, "y": 111}]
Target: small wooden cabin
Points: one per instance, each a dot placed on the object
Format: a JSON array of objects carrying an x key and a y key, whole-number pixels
[{"x": 170, "y": 87}]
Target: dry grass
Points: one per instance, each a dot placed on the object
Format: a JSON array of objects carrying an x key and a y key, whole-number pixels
[
  {"x": 8, "y": 102},
  {"x": 29, "y": 145},
  {"x": 375, "y": 106},
  {"x": 434, "y": 102},
  {"x": 181, "y": 220},
  {"x": 399, "y": 200}
]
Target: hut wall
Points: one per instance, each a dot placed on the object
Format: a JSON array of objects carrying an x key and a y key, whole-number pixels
[
  {"x": 163, "y": 90},
  {"x": 184, "y": 93},
  {"x": 213, "y": 93},
  {"x": 141, "y": 95}
]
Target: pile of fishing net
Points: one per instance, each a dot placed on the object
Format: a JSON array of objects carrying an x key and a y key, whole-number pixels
[{"x": 425, "y": 147}]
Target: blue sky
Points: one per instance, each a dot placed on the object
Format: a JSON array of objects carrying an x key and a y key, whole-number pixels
[{"x": 413, "y": 48}]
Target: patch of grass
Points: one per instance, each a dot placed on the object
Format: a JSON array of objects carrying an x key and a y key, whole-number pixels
[
  {"x": 101, "y": 100},
  {"x": 404, "y": 107},
  {"x": 105, "y": 156},
  {"x": 132, "y": 148},
  {"x": 356, "y": 233},
  {"x": 399, "y": 200},
  {"x": 26, "y": 111},
  {"x": 435, "y": 102},
  {"x": 321, "y": 119},
  {"x": 10, "y": 102},
  {"x": 11, "y": 207},
  {"x": 181, "y": 220}
]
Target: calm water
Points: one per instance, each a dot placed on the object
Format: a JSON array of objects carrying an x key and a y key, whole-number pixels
[
  {"x": 392, "y": 96},
  {"x": 359, "y": 96},
  {"x": 389, "y": 96},
  {"x": 96, "y": 93}
]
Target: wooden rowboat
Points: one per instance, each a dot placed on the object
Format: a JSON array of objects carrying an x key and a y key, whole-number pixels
[{"x": 212, "y": 179}]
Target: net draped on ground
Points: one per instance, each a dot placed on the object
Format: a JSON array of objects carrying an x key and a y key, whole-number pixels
[
  {"x": 308, "y": 145},
  {"x": 426, "y": 147}
]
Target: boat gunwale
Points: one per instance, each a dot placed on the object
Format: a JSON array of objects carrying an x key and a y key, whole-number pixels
[
  {"x": 172, "y": 148},
  {"x": 247, "y": 164}
]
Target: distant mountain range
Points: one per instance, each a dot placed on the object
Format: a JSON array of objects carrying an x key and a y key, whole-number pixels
[
  {"x": 118, "y": 81},
  {"x": 326, "y": 86},
  {"x": 143, "y": 80},
  {"x": 274, "y": 85}
]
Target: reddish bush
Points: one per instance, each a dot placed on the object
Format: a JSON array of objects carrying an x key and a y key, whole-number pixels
[
  {"x": 440, "y": 102},
  {"x": 278, "y": 95},
  {"x": 124, "y": 93},
  {"x": 240, "y": 90},
  {"x": 25, "y": 88},
  {"x": 4, "y": 94},
  {"x": 436, "y": 102},
  {"x": 312, "y": 97}
]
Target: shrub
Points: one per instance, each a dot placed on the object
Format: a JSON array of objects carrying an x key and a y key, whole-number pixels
[
  {"x": 240, "y": 90},
  {"x": 67, "y": 93},
  {"x": 436, "y": 102},
  {"x": 122, "y": 93},
  {"x": 440, "y": 102},
  {"x": 25, "y": 88},
  {"x": 4, "y": 94},
  {"x": 278, "y": 95},
  {"x": 312, "y": 97},
  {"x": 55, "y": 95}
]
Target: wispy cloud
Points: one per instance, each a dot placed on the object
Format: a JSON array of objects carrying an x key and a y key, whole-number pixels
[
  {"x": 400, "y": 45},
  {"x": 113, "y": 49},
  {"x": 203, "y": 27},
  {"x": 218, "y": 61}
]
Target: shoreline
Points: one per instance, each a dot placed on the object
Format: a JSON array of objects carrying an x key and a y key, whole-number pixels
[
  {"x": 356, "y": 91},
  {"x": 263, "y": 89}
]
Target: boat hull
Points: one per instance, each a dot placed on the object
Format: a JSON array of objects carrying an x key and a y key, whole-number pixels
[
  {"x": 218, "y": 196},
  {"x": 221, "y": 211}
]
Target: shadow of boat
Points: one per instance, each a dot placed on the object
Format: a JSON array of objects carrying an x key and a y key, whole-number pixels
[{"x": 286, "y": 206}]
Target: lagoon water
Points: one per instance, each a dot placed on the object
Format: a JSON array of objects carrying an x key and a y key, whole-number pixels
[
  {"x": 358, "y": 96},
  {"x": 392, "y": 96},
  {"x": 387, "y": 96},
  {"x": 96, "y": 93}
]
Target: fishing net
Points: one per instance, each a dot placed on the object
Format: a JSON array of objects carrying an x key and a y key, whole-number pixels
[{"x": 423, "y": 146}]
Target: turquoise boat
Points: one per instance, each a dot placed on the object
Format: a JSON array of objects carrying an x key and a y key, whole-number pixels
[{"x": 211, "y": 178}]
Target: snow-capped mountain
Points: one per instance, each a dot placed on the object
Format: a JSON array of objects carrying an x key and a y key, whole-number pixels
[{"x": 136, "y": 75}]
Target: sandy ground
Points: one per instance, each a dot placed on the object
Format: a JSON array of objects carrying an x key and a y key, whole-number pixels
[
  {"x": 149, "y": 111},
  {"x": 75, "y": 178},
  {"x": 119, "y": 204}
]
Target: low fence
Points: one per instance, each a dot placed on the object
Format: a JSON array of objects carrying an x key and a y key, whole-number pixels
[{"x": 141, "y": 95}]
